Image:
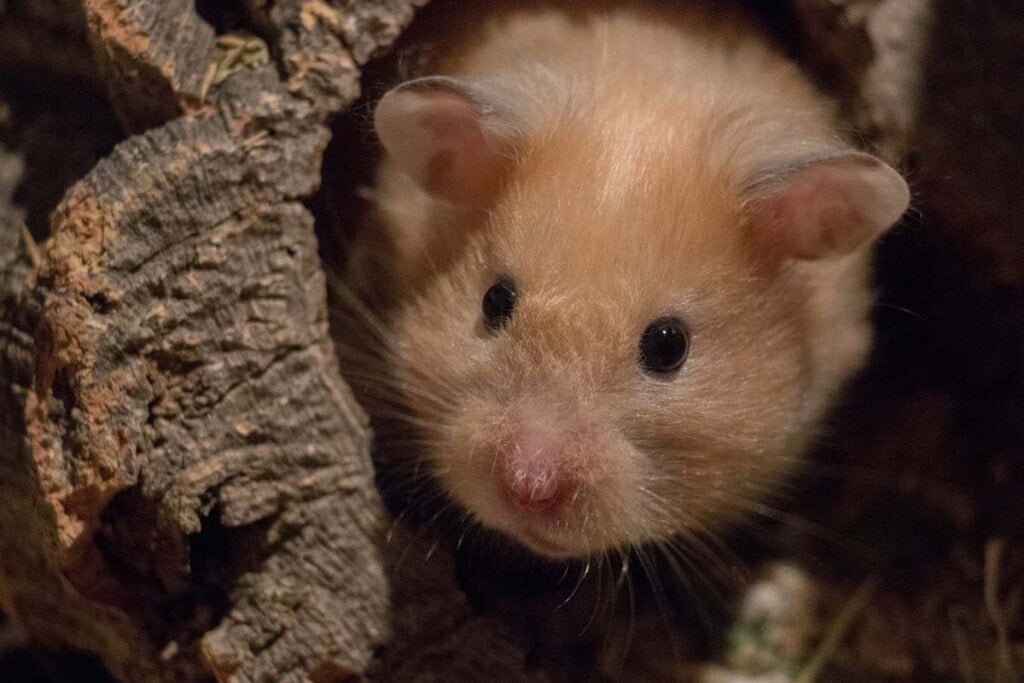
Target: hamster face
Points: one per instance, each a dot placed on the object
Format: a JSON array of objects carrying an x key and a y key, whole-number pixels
[
  {"x": 632, "y": 255},
  {"x": 526, "y": 353}
]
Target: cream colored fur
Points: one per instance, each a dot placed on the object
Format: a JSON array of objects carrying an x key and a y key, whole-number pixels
[{"x": 636, "y": 138}]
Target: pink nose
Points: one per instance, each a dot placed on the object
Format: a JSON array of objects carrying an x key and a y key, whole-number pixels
[{"x": 533, "y": 473}]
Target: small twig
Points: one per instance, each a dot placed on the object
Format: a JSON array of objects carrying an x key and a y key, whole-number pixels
[
  {"x": 228, "y": 53},
  {"x": 232, "y": 53},
  {"x": 204, "y": 88},
  {"x": 312, "y": 10},
  {"x": 993, "y": 562},
  {"x": 837, "y": 630},
  {"x": 31, "y": 248},
  {"x": 963, "y": 650},
  {"x": 257, "y": 140}
]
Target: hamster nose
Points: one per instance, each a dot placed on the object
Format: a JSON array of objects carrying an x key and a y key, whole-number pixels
[
  {"x": 539, "y": 490},
  {"x": 533, "y": 475}
]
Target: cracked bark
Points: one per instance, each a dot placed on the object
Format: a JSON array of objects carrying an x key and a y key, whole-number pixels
[{"x": 193, "y": 493}]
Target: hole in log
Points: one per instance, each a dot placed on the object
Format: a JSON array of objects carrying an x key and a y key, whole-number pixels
[
  {"x": 58, "y": 138},
  {"x": 182, "y": 585},
  {"x": 41, "y": 665},
  {"x": 225, "y": 16},
  {"x": 938, "y": 389}
]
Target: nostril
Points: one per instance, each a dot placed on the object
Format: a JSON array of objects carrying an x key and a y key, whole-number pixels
[
  {"x": 532, "y": 488},
  {"x": 534, "y": 483}
]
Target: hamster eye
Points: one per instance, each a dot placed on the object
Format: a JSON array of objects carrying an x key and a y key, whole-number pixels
[
  {"x": 498, "y": 303},
  {"x": 663, "y": 345}
]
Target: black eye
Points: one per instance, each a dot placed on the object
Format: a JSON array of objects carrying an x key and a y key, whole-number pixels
[
  {"x": 663, "y": 345},
  {"x": 498, "y": 303}
]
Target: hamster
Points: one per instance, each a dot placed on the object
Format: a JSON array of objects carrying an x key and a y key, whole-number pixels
[{"x": 630, "y": 264}]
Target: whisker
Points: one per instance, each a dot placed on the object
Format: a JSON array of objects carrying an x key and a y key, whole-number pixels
[
  {"x": 597, "y": 600},
  {"x": 660, "y": 598},
  {"x": 683, "y": 575},
  {"x": 796, "y": 522},
  {"x": 900, "y": 309},
  {"x": 584, "y": 572}
]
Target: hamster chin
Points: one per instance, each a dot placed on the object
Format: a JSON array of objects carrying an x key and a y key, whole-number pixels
[{"x": 543, "y": 473}]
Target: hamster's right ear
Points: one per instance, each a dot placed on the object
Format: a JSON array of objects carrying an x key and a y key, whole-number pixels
[
  {"x": 829, "y": 206},
  {"x": 439, "y": 131}
]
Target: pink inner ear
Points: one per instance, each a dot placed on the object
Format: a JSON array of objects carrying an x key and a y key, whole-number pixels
[
  {"x": 834, "y": 206},
  {"x": 437, "y": 137}
]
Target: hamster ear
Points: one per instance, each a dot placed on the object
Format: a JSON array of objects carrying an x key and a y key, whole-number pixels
[
  {"x": 830, "y": 207},
  {"x": 436, "y": 130}
]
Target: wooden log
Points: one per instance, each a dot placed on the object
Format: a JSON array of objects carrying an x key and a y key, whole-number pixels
[
  {"x": 199, "y": 469},
  {"x": 34, "y": 594},
  {"x": 182, "y": 392},
  {"x": 152, "y": 56}
]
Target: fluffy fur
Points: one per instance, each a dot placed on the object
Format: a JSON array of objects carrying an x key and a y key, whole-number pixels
[{"x": 639, "y": 149}]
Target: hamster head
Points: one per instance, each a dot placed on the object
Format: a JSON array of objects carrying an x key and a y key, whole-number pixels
[{"x": 621, "y": 330}]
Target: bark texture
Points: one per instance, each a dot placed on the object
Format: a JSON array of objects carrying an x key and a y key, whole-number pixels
[{"x": 194, "y": 483}]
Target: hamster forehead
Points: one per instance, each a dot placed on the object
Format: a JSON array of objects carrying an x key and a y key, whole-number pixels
[{"x": 634, "y": 221}]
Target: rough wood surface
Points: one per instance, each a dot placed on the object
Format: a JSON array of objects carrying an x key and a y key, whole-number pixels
[
  {"x": 200, "y": 469},
  {"x": 152, "y": 56},
  {"x": 874, "y": 56},
  {"x": 34, "y": 593}
]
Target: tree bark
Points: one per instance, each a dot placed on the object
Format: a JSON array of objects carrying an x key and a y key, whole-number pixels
[{"x": 195, "y": 483}]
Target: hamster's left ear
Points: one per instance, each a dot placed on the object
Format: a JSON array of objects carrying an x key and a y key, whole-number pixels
[
  {"x": 827, "y": 207},
  {"x": 442, "y": 133}
]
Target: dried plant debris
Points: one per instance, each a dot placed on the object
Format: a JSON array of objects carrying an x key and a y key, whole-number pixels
[
  {"x": 234, "y": 51},
  {"x": 963, "y": 622}
]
